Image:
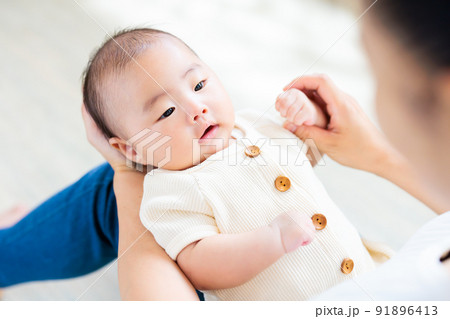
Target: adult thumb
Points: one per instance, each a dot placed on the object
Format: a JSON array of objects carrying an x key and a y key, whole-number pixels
[{"x": 317, "y": 134}]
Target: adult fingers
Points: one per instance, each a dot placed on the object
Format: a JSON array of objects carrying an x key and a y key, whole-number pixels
[
  {"x": 323, "y": 86},
  {"x": 93, "y": 133},
  {"x": 321, "y": 137}
]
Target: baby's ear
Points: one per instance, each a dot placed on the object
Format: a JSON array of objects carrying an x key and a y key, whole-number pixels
[{"x": 126, "y": 149}]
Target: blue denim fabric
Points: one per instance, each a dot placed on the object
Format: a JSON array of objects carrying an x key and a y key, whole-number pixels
[{"x": 71, "y": 234}]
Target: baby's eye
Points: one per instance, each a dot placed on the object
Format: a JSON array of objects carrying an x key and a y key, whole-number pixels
[
  {"x": 199, "y": 86},
  {"x": 167, "y": 113}
]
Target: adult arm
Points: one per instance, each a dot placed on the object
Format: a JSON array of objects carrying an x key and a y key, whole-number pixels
[
  {"x": 145, "y": 270},
  {"x": 353, "y": 140}
]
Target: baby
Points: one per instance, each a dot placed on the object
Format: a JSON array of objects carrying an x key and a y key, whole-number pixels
[{"x": 234, "y": 201}]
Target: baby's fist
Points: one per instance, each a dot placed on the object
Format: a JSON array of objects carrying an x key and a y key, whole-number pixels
[
  {"x": 295, "y": 229},
  {"x": 298, "y": 109}
]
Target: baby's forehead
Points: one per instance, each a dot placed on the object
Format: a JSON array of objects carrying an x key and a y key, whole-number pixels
[
  {"x": 165, "y": 56},
  {"x": 170, "y": 42},
  {"x": 156, "y": 68},
  {"x": 158, "y": 59}
]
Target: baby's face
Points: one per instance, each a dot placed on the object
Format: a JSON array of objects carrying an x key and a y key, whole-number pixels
[{"x": 174, "y": 93}]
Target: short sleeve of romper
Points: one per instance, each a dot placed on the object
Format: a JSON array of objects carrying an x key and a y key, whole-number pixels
[{"x": 174, "y": 211}]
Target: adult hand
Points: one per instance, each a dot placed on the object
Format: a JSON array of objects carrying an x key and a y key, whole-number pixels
[
  {"x": 101, "y": 144},
  {"x": 350, "y": 138}
]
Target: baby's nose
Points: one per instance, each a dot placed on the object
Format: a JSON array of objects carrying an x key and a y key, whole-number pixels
[{"x": 202, "y": 110}]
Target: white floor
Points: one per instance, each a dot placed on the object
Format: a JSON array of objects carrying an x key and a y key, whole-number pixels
[{"x": 256, "y": 47}]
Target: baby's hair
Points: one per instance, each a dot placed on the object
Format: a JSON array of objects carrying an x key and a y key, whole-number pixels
[{"x": 110, "y": 59}]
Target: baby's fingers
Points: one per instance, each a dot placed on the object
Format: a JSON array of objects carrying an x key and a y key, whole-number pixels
[
  {"x": 290, "y": 102},
  {"x": 292, "y": 112},
  {"x": 302, "y": 111},
  {"x": 307, "y": 115},
  {"x": 284, "y": 101}
]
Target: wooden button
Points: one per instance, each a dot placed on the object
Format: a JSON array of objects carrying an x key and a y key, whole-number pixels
[
  {"x": 282, "y": 183},
  {"x": 252, "y": 151},
  {"x": 347, "y": 266},
  {"x": 319, "y": 221}
]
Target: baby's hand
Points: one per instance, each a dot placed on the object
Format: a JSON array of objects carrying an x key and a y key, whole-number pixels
[
  {"x": 295, "y": 230},
  {"x": 298, "y": 109}
]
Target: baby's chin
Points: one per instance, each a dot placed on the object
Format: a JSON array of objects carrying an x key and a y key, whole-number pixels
[
  {"x": 215, "y": 145},
  {"x": 203, "y": 152}
]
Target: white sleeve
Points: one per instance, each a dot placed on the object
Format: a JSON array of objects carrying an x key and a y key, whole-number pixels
[
  {"x": 414, "y": 273},
  {"x": 175, "y": 212}
]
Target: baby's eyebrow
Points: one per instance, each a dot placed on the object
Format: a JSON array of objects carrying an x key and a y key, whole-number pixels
[
  {"x": 152, "y": 101},
  {"x": 191, "y": 68}
]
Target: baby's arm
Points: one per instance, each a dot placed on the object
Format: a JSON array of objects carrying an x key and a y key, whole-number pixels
[
  {"x": 228, "y": 260},
  {"x": 298, "y": 109}
]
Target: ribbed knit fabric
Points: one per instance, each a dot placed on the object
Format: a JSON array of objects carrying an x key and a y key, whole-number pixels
[{"x": 232, "y": 193}]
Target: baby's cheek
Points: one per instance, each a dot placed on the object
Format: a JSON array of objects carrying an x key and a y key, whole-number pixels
[{"x": 159, "y": 155}]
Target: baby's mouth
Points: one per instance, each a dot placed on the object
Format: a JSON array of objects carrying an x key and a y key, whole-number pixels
[{"x": 209, "y": 132}]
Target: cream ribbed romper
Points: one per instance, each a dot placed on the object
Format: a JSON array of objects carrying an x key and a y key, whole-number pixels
[{"x": 231, "y": 192}]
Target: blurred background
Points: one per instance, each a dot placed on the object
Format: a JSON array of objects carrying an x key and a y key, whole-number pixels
[{"x": 255, "y": 46}]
